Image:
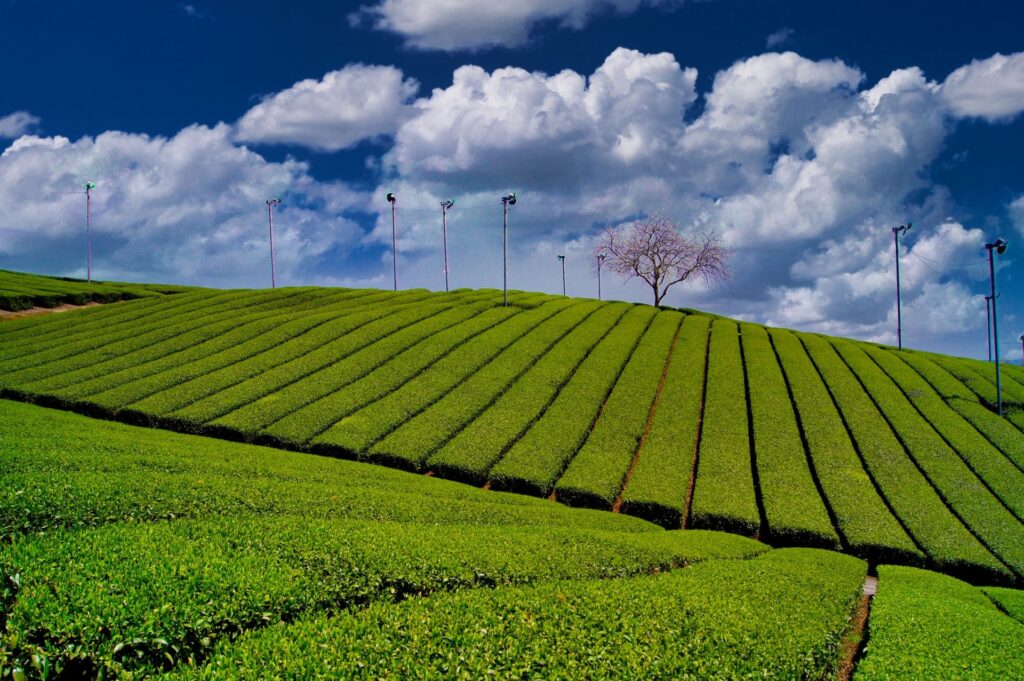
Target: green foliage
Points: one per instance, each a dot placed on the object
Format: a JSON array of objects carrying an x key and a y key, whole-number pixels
[
  {"x": 1010, "y": 601},
  {"x": 723, "y": 495},
  {"x": 930, "y": 626},
  {"x": 597, "y": 472},
  {"x": 357, "y": 432},
  {"x": 471, "y": 453},
  {"x": 998, "y": 430},
  {"x": 416, "y": 439},
  {"x": 148, "y": 596},
  {"x": 376, "y": 344},
  {"x": 869, "y": 529},
  {"x": 19, "y": 291},
  {"x": 970, "y": 500},
  {"x": 780, "y": 615},
  {"x": 945, "y": 540},
  {"x": 536, "y": 460},
  {"x": 657, "y": 491},
  {"x": 1000, "y": 474},
  {"x": 794, "y": 511}
]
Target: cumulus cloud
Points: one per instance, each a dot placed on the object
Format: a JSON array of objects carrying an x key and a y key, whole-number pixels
[
  {"x": 991, "y": 88},
  {"x": 1017, "y": 213},
  {"x": 189, "y": 208},
  {"x": 531, "y": 130},
  {"x": 780, "y": 37},
  {"x": 17, "y": 124},
  {"x": 473, "y": 25},
  {"x": 336, "y": 112}
]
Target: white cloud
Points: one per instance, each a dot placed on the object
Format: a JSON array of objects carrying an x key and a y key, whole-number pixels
[
  {"x": 530, "y": 130},
  {"x": 189, "y": 208},
  {"x": 473, "y": 25},
  {"x": 1017, "y": 213},
  {"x": 991, "y": 88},
  {"x": 338, "y": 111},
  {"x": 17, "y": 124},
  {"x": 780, "y": 37}
]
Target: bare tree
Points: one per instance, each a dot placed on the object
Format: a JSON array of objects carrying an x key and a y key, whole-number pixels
[{"x": 655, "y": 251}]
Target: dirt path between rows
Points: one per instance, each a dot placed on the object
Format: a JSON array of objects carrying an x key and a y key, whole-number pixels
[
  {"x": 853, "y": 643},
  {"x": 34, "y": 311}
]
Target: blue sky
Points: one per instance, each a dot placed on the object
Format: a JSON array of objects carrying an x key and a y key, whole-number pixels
[{"x": 801, "y": 131}]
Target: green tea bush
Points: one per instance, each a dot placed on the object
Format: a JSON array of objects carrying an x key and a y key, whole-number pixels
[
  {"x": 596, "y": 474},
  {"x": 538, "y": 458},
  {"x": 929, "y": 626},
  {"x": 658, "y": 489},
  {"x": 870, "y": 530},
  {"x": 724, "y": 495}
]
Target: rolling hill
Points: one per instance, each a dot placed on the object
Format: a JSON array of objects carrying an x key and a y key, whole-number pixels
[{"x": 677, "y": 417}]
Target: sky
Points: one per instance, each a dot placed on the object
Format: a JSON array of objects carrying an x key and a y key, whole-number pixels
[{"x": 799, "y": 132}]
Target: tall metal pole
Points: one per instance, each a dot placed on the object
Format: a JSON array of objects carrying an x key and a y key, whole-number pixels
[
  {"x": 988, "y": 324},
  {"x": 1000, "y": 246},
  {"x": 273, "y": 263},
  {"x": 445, "y": 205},
  {"x": 896, "y": 231},
  {"x": 89, "y": 186},
  {"x": 562, "y": 258},
  {"x": 509, "y": 199},
  {"x": 394, "y": 240},
  {"x": 600, "y": 259}
]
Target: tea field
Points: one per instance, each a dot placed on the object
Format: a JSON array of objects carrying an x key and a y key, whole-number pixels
[{"x": 277, "y": 521}]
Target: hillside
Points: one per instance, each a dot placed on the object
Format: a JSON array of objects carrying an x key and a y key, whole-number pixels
[
  {"x": 20, "y": 291},
  {"x": 684, "y": 419},
  {"x": 126, "y": 552}
]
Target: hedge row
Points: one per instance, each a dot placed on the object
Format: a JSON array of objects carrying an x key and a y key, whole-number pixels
[
  {"x": 724, "y": 494},
  {"x": 119, "y": 345},
  {"x": 596, "y": 474},
  {"x": 940, "y": 534},
  {"x": 471, "y": 453},
  {"x": 1010, "y": 601},
  {"x": 190, "y": 342},
  {"x": 868, "y": 527},
  {"x": 972, "y": 502},
  {"x": 221, "y": 392},
  {"x": 537, "y": 459},
  {"x": 999, "y": 473},
  {"x": 63, "y": 470},
  {"x": 929, "y": 626},
  {"x": 794, "y": 511},
  {"x": 294, "y": 339},
  {"x": 658, "y": 488},
  {"x": 999, "y": 431},
  {"x": 23, "y": 291},
  {"x": 205, "y": 341},
  {"x": 170, "y": 590},
  {"x": 414, "y": 441},
  {"x": 306, "y": 423},
  {"x": 356, "y": 433},
  {"x": 257, "y": 414},
  {"x": 85, "y": 332},
  {"x": 268, "y": 331},
  {"x": 780, "y": 615}
]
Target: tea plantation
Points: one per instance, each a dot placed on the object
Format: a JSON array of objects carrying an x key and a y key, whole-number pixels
[{"x": 756, "y": 477}]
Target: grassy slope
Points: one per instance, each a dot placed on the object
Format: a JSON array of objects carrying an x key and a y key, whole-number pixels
[
  {"x": 128, "y": 549},
  {"x": 20, "y": 291},
  {"x": 572, "y": 396}
]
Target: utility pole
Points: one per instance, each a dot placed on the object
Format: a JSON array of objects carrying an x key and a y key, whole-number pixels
[
  {"x": 988, "y": 324},
  {"x": 89, "y": 186},
  {"x": 445, "y": 207},
  {"x": 271, "y": 203},
  {"x": 506, "y": 201},
  {"x": 394, "y": 240},
  {"x": 562, "y": 258},
  {"x": 600, "y": 259},
  {"x": 896, "y": 232},
  {"x": 999, "y": 246}
]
